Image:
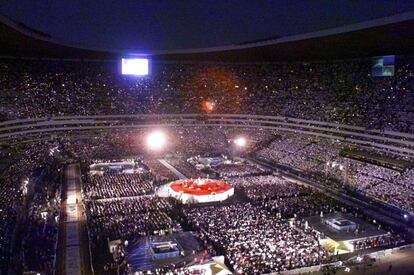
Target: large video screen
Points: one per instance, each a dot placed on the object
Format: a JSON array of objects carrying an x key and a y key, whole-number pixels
[
  {"x": 135, "y": 66},
  {"x": 383, "y": 66}
]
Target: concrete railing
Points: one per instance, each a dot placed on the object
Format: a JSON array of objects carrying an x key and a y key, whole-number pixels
[{"x": 400, "y": 143}]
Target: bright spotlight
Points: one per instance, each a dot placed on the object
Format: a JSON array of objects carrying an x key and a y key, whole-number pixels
[
  {"x": 156, "y": 140},
  {"x": 135, "y": 66},
  {"x": 240, "y": 141}
]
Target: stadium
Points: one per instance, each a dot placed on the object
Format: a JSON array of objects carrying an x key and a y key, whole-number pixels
[{"x": 289, "y": 155}]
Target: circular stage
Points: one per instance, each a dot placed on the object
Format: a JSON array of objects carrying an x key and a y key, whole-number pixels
[{"x": 200, "y": 190}]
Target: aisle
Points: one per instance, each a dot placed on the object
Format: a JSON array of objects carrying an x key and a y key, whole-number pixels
[
  {"x": 172, "y": 168},
  {"x": 72, "y": 244},
  {"x": 72, "y": 258}
]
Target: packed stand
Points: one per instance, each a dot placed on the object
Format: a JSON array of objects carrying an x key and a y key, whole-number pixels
[
  {"x": 129, "y": 218},
  {"x": 342, "y": 91},
  {"x": 320, "y": 159},
  {"x": 29, "y": 202},
  {"x": 117, "y": 185},
  {"x": 237, "y": 170},
  {"x": 269, "y": 187},
  {"x": 255, "y": 240}
]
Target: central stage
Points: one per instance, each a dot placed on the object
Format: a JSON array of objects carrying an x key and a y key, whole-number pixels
[{"x": 200, "y": 190}]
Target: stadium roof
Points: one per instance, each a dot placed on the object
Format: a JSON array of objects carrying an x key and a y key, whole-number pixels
[{"x": 388, "y": 35}]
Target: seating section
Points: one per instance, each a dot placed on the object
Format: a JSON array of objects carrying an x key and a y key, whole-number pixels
[{"x": 343, "y": 92}]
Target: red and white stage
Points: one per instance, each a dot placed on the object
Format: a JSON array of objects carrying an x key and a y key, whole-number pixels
[{"x": 200, "y": 190}]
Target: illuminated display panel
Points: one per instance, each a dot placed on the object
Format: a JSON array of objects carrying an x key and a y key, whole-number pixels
[{"x": 383, "y": 66}]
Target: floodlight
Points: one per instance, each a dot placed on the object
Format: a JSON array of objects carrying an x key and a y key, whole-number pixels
[
  {"x": 240, "y": 141},
  {"x": 156, "y": 140}
]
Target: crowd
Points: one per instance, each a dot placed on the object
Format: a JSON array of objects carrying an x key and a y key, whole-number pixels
[
  {"x": 159, "y": 170},
  {"x": 116, "y": 185},
  {"x": 121, "y": 206},
  {"x": 302, "y": 206},
  {"x": 29, "y": 199},
  {"x": 285, "y": 198},
  {"x": 40, "y": 240},
  {"x": 129, "y": 218},
  {"x": 255, "y": 240},
  {"x": 342, "y": 91},
  {"x": 256, "y": 236},
  {"x": 269, "y": 234},
  {"x": 237, "y": 170},
  {"x": 269, "y": 187},
  {"x": 10, "y": 197},
  {"x": 201, "y": 140},
  {"x": 310, "y": 154},
  {"x": 321, "y": 159},
  {"x": 227, "y": 167}
]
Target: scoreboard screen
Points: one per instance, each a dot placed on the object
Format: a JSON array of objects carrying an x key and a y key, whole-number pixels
[
  {"x": 383, "y": 66},
  {"x": 135, "y": 66}
]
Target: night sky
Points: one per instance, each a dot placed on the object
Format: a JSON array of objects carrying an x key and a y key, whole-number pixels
[{"x": 169, "y": 24}]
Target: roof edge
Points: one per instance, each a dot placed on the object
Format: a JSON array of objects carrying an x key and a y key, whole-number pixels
[{"x": 396, "y": 18}]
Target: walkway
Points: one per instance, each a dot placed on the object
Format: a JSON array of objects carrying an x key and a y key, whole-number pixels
[
  {"x": 73, "y": 262},
  {"x": 73, "y": 255},
  {"x": 172, "y": 168}
]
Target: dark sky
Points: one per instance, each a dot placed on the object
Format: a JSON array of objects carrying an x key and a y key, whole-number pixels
[{"x": 169, "y": 24}]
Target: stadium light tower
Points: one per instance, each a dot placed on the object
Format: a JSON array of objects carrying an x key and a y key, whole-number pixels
[
  {"x": 156, "y": 140},
  {"x": 240, "y": 141}
]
